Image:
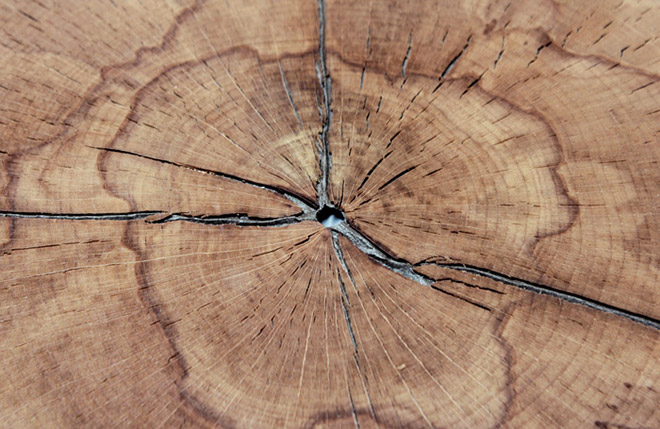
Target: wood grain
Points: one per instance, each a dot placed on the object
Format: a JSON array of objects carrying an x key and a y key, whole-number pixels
[{"x": 164, "y": 172}]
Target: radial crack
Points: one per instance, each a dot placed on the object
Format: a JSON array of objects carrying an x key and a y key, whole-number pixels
[
  {"x": 404, "y": 64},
  {"x": 342, "y": 261},
  {"x": 240, "y": 219},
  {"x": 345, "y": 303},
  {"x": 305, "y": 205},
  {"x": 462, "y": 298},
  {"x": 353, "y": 410},
  {"x": 289, "y": 95},
  {"x": 454, "y": 60},
  {"x": 550, "y": 291},
  {"x": 347, "y": 316},
  {"x": 365, "y": 245},
  {"x": 406, "y": 269},
  {"x": 326, "y": 111},
  {"x": 346, "y": 306},
  {"x": 81, "y": 216}
]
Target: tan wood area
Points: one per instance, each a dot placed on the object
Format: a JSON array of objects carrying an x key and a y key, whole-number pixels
[{"x": 493, "y": 167}]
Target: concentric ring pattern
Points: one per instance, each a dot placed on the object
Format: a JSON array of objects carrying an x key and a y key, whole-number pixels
[{"x": 162, "y": 165}]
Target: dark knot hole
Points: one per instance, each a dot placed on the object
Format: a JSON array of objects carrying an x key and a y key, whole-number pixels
[{"x": 330, "y": 216}]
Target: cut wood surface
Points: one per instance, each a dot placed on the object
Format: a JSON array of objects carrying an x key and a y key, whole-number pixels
[{"x": 166, "y": 168}]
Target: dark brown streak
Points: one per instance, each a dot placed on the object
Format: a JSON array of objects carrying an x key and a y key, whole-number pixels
[
  {"x": 88, "y": 99},
  {"x": 444, "y": 76},
  {"x": 571, "y": 204},
  {"x": 130, "y": 119},
  {"x": 109, "y": 75},
  {"x": 181, "y": 367}
]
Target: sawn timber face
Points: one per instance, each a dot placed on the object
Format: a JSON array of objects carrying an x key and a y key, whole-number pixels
[{"x": 495, "y": 164}]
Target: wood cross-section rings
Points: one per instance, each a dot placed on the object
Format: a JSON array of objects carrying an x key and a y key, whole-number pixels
[{"x": 330, "y": 214}]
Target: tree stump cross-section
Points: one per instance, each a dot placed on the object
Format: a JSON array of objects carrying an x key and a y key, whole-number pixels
[{"x": 299, "y": 214}]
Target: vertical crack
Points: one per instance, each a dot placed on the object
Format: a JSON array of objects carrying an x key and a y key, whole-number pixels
[
  {"x": 347, "y": 316},
  {"x": 353, "y": 410},
  {"x": 240, "y": 219},
  {"x": 324, "y": 108},
  {"x": 499, "y": 56},
  {"x": 346, "y": 307},
  {"x": 345, "y": 303}
]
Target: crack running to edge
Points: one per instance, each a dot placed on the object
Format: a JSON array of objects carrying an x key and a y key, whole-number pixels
[
  {"x": 399, "y": 266},
  {"x": 550, "y": 291},
  {"x": 324, "y": 110},
  {"x": 407, "y": 270},
  {"x": 81, "y": 216},
  {"x": 164, "y": 217}
]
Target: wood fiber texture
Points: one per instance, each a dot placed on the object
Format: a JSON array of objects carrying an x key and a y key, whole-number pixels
[{"x": 163, "y": 165}]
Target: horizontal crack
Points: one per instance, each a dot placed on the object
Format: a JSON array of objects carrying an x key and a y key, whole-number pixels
[
  {"x": 81, "y": 216},
  {"x": 398, "y": 266},
  {"x": 228, "y": 219},
  {"x": 239, "y": 219},
  {"x": 408, "y": 270}
]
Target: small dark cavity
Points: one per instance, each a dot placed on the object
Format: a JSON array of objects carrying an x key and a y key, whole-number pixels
[{"x": 330, "y": 216}]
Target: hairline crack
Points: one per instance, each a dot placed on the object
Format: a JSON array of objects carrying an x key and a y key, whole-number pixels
[
  {"x": 305, "y": 206},
  {"x": 345, "y": 303}
]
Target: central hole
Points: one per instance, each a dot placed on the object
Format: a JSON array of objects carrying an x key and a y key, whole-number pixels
[{"x": 329, "y": 216}]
